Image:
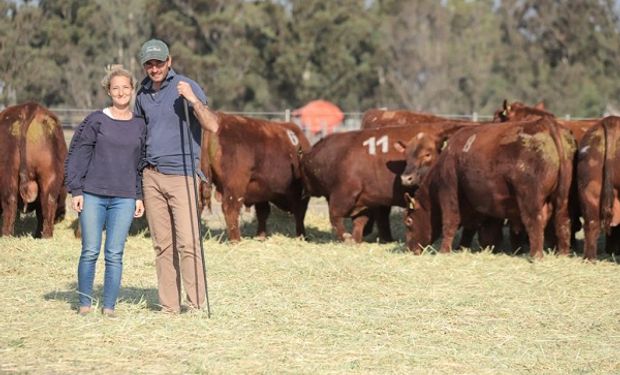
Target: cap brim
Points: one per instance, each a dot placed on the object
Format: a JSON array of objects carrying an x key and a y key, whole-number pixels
[{"x": 153, "y": 56}]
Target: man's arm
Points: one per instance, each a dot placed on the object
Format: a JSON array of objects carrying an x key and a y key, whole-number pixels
[{"x": 206, "y": 117}]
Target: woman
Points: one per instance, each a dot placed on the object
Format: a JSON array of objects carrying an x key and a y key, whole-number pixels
[{"x": 102, "y": 175}]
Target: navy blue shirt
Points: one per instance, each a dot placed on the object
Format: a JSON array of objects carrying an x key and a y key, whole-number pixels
[
  {"x": 167, "y": 140},
  {"x": 105, "y": 156}
]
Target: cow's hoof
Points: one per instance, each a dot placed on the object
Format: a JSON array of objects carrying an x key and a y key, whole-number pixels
[{"x": 348, "y": 238}]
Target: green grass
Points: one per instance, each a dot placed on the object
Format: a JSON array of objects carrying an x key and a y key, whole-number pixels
[{"x": 289, "y": 306}]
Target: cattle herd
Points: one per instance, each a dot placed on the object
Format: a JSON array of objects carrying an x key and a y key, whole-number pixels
[{"x": 538, "y": 175}]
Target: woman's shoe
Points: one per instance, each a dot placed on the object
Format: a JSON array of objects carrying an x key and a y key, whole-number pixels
[
  {"x": 84, "y": 310},
  {"x": 108, "y": 313}
]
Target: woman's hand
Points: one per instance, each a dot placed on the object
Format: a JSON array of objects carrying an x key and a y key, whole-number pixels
[
  {"x": 77, "y": 203},
  {"x": 139, "y": 208}
]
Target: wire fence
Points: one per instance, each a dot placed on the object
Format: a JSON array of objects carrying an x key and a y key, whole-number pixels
[{"x": 73, "y": 117}]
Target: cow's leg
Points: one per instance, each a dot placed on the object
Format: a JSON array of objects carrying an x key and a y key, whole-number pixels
[
  {"x": 337, "y": 222},
  {"x": 231, "y": 206},
  {"x": 450, "y": 215},
  {"x": 341, "y": 204},
  {"x": 562, "y": 231},
  {"x": 48, "y": 198},
  {"x": 9, "y": 212},
  {"x": 382, "y": 215},
  {"x": 589, "y": 198},
  {"x": 359, "y": 222},
  {"x": 299, "y": 211},
  {"x": 592, "y": 231},
  {"x": 371, "y": 222},
  {"x": 534, "y": 217},
  {"x": 262, "y": 213}
]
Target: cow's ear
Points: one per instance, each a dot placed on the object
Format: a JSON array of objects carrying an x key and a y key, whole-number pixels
[
  {"x": 400, "y": 146},
  {"x": 540, "y": 105},
  {"x": 411, "y": 202}
]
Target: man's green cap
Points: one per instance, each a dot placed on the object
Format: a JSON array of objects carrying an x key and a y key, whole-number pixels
[{"x": 153, "y": 49}]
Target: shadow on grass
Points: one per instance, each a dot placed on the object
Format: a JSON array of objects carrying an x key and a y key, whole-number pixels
[
  {"x": 130, "y": 295},
  {"x": 279, "y": 222},
  {"x": 138, "y": 226},
  {"x": 25, "y": 224}
]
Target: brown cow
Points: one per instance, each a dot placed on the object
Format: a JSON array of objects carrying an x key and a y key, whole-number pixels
[
  {"x": 254, "y": 162},
  {"x": 598, "y": 179},
  {"x": 519, "y": 170},
  {"x": 421, "y": 153},
  {"x": 518, "y": 111},
  {"x": 33, "y": 152},
  {"x": 377, "y": 118},
  {"x": 360, "y": 170}
]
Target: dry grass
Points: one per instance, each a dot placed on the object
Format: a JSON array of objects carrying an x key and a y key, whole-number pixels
[{"x": 288, "y": 306}]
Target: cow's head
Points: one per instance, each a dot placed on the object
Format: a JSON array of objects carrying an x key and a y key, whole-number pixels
[
  {"x": 418, "y": 224},
  {"x": 420, "y": 153},
  {"x": 518, "y": 111}
]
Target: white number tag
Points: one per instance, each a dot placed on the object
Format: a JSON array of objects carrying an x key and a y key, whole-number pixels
[{"x": 373, "y": 142}]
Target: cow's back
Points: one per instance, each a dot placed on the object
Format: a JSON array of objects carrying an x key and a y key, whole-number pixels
[
  {"x": 376, "y": 118},
  {"x": 495, "y": 159}
]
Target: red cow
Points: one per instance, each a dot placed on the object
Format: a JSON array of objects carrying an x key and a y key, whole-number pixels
[
  {"x": 518, "y": 111},
  {"x": 598, "y": 179},
  {"x": 32, "y": 162},
  {"x": 360, "y": 170},
  {"x": 254, "y": 162},
  {"x": 519, "y": 170},
  {"x": 376, "y": 118},
  {"x": 421, "y": 153}
]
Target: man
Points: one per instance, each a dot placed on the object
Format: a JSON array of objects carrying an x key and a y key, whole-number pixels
[{"x": 168, "y": 190}]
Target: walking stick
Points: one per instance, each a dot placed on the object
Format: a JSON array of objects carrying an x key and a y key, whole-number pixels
[{"x": 202, "y": 252}]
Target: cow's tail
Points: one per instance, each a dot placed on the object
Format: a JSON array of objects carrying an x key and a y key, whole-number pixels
[
  {"x": 607, "y": 193},
  {"x": 299, "y": 171},
  {"x": 28, "y": 188},
  {"x": 565, "y": 166}
]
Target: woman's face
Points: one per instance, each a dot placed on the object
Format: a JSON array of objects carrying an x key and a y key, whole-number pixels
[{"x": 120, "y": 91}]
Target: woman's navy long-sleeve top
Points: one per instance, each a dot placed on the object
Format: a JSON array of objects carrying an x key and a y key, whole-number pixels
[{"x": 105, "y": 157}]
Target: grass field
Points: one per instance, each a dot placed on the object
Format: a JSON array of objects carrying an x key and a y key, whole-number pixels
[{"x": 289, "y": 306}]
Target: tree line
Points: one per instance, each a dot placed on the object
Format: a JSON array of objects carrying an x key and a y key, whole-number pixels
[{"x": 449, "y": 56}]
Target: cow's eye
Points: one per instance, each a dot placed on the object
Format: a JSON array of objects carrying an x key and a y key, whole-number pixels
[{"x": 408, "y": 221}]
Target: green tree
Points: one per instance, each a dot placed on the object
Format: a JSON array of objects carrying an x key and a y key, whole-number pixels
[{"x": 563, "y": 52}]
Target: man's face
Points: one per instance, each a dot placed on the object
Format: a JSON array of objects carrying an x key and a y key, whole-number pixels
[{"x": 157, "y": 70}]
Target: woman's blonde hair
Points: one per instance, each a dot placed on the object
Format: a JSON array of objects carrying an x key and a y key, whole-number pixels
[{"x": 117, "y": 70}]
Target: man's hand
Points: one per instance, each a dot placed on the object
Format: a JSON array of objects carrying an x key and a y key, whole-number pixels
[
  {"x": 208, "y": 119},
  {"x": 185, "y": 90}
]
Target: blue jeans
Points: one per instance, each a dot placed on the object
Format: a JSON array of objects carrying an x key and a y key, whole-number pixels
[{"x": 116, "y": 214}]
